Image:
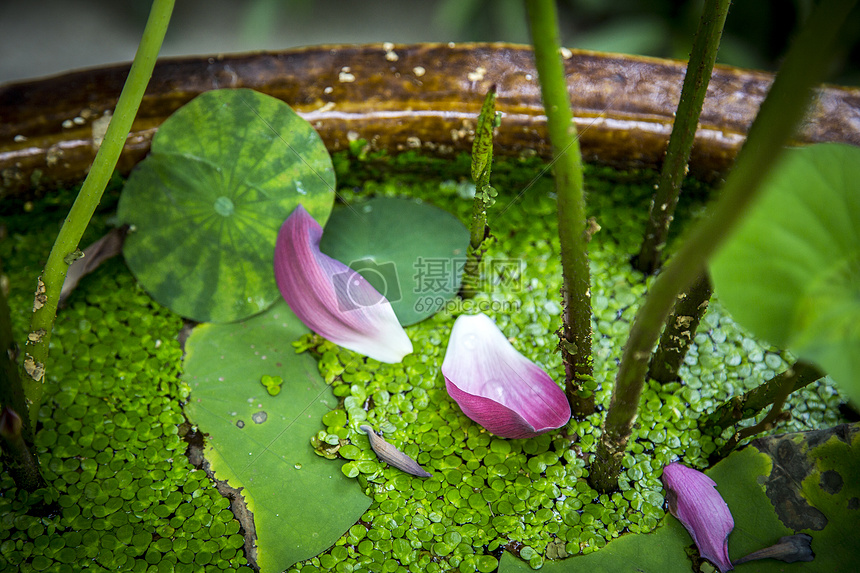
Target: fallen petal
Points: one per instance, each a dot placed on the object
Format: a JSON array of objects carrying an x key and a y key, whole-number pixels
[
  {"x": 391, "y": 455},
  {"x": 790, "y": 548},
  {"x": 701, "y": 509},
  {"x": 332, "y": 299},
  {"x": 498, "y": 387}
]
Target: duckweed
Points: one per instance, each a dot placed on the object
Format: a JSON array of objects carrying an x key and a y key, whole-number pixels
[
  {"x": 272, "y": 384},
  {"x": 530, "y": 496},
  {"x": 127, "y": 498},
  {"x": 109, "y": 434}
]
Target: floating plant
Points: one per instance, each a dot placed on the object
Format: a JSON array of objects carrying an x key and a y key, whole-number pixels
[
  {"x": 100, "y": 348},
  {"x": 412, "y": 252},
  {"x": 205, "y": 206},
  {"x": 484, "y": 474},
  {"x": 258, "y": 441}
]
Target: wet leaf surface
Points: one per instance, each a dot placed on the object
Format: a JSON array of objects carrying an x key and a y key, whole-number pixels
[{"x": 259, "y": 442}]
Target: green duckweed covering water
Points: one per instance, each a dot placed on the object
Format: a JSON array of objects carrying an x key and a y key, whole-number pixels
[
  {"x": 530, "y": 497},
  {"x": 108, "y": 436},
  {"x": 129, "y": 500}
]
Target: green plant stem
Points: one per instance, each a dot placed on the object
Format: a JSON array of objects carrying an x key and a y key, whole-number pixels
[
  {"x": 778, "y": 118},
  {"x": 699, "y": 68},
  {"x": 775, "y": 415},
  {"x": 11, "y": 389},
  {"x": 575, "y": 343},
  {"x": 739, "y": 408},
  {"x": 482, "y": 163},
  {"x": 62, "y": 254},
  {"x": 16, "y": 433},
  {"x": 680, "y": 330},
  {"x": 17, "y": 459}
]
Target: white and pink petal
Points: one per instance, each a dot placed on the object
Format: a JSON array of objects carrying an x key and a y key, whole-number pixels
[
  {"x": 498, "y": 387},
  {"x": 330, "y": 298}
]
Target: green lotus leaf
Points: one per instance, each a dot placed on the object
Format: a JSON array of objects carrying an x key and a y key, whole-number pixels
[
  {"x": 807, "y": 483},
  {"x": 411, "y": 252},
  {"x": 224, "y": 173},
  {"x": 660, "y": 552},
  {"x": 791, "y": 272},
  {"x": 260, "y": 443}
]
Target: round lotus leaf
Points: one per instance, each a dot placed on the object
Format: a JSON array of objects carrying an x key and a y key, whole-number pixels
[
  {"x": 411, "y": 252},
  {"x": 205, "y": 207}
]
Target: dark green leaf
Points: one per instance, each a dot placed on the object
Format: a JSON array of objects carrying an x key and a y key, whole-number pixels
[
  {"x": 806, "y": 483},
  {"x": 409, "y": 251}
]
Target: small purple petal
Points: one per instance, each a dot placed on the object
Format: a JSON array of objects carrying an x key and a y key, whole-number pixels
[
  {"x": 498, "y": 387},
  {"x": 701, "y": 509},
  {"x": 330, "y": 298}
]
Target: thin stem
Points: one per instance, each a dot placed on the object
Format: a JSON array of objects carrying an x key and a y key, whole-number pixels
[
  {"x": 65, "y": 248},
  {"x": 699, "y": 68},
  {"x": 739, "y": 408},
  {"x": 680, "y": 330},
  {"x": 773, "y": 416},
  {"x": 778, "y": 118},
  {"x": 575, "y": 337}
]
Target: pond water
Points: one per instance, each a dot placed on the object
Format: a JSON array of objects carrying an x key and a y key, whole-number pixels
[{"x": 111, "y": 430}]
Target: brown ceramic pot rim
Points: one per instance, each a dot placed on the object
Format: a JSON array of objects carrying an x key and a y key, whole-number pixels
[{"x": 400, "y": 97}]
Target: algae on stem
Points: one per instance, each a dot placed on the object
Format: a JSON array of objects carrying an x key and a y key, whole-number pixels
[
  {"x": 698, "y": 75},
  {"x": 680, "y": 330}
]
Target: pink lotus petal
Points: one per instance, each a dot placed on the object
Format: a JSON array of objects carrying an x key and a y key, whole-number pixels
[
  {"x": 700, "y": 507},
  {"x": 330, "y": 298},
  {"x": 498, "y": 387}
]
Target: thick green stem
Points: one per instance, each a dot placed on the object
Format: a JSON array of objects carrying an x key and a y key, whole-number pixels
[
  {"x": 575, "y": 343},
  {"x": 680, "y": 330},
  {"x": 65, "y": 248},
  {"x": 696, "y": 80},
  {"x": 751, "y": 403},
  {"x": 17, "y": 458},
  {"x": 16, "y": 433},
  {"x": 777, "y": 120}
]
